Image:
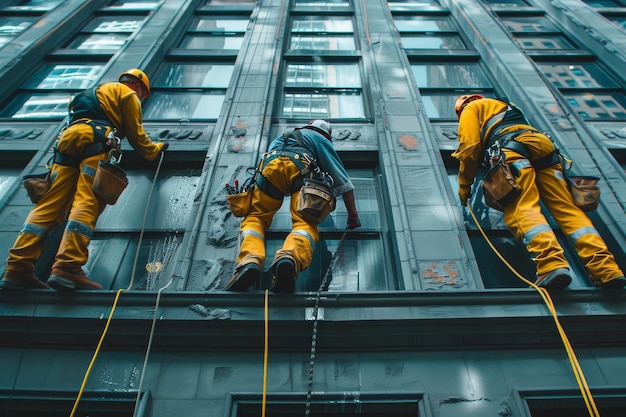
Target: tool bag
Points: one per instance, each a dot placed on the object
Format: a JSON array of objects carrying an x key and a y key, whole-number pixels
[
  {"x": 110, "y": 180},
  {"x": 585, "y": 192},
  {"x": 239, "y": 199},
  {"x": 499, "y": 186},
  {"x": 317, "y": 198},
  {"x": 36, "y": 185},
  {"x": 240, "y": 203}
]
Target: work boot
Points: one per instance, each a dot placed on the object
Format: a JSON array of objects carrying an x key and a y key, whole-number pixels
[
  {"x": 70, "y": 279},
  {"x": 617, "y": 283},
  {"x": 245, "y": 276},
  {"x": 20, "y": 281},
  {"x": 555, "y": 280},
  {"x": 284, "y": 279}
]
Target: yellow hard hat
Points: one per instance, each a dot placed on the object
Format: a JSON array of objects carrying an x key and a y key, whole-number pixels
[
  {"x": 462, "y": 101},
  {"x": 136, "y": 75}
]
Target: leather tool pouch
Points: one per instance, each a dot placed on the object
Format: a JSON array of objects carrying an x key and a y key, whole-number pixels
[
  {"x": 316, "y": 199},
  {"x": 585, "y": 192},
  {"x": 110, "y": 181},
  {"x": 36, "y": 185},
  {"x": 240, "y": 203},
  {"x": 499, "y": 186}
]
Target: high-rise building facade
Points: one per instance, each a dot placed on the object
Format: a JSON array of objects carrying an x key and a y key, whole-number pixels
[{"x": 425, "y": 310}]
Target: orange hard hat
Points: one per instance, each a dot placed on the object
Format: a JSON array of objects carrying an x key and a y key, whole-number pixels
[
  {"x": 462, "y": 101},
  {"x": 136, "y": 75}
]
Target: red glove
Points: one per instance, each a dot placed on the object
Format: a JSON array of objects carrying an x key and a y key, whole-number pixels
[{"x": 353, "y": 221}]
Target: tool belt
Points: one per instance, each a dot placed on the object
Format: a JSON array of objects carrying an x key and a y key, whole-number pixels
[
  {"x": 297, "y": 156},
  {"x": 102, "y": 143}
]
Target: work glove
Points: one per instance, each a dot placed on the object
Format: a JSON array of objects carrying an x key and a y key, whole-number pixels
[
  {"x": 353, "y": 221},
  {"x": 465, "y": 192}
]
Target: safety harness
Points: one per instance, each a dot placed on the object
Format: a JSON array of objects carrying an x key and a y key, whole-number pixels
[
  {"x": 299, "y": 155},
  {"x": 496, "y": 141},
  {"x": 85, "y": 108}
]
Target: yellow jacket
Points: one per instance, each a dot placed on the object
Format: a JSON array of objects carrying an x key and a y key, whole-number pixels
[
  {"x": 122, "y": 107},
  {"x": 471, "y": 150}
]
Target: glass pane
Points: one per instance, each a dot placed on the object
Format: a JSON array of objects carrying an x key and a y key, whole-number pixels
[
  {"x": 322, "y": 43},
  {"x": 108, "y": 41},
  {"x": 507, "y": 2},
  {"x": 195, "y": 75},
  {"x": 577, "y": 75},
  {"x": 230, "y": 2},
  {"x": 38, "y": 106},
  {"x": 112, "y": 259},
  {"x": 601, "y": 3},
  {"x": 170, "y": 205},
  {"x": 359, "y": 266},
  {"x": 177, "y": 106},
  {"x": 212, "y": 42},
  {"x": 424, "y": 24},
  {"x": 400, "y": 6},
  {"x": 36, "y": 5},
  {"x": 114, "y": 24},
  {"x": 318, "y": 25},
  {"x": 7, "y": 178},
  {"x": 323, "y": 76},
  {"x": 529, "y": 24},
  {"x": 441, "y": 106},
  {"x": 13, "y": 26},
  {"x": 544, "y": 42},
  {"x": 136, "y": 4},
  {"x": 4, "y": 40},
  {"x": 598, "y": 106},
  {"x": 322, "y": 106},
  {"x": 432, "y": 42},
  {"x": 450, "y": 75},
  {"x": 65, "y": 76},
  {"x": 221, "y": 25},
  {"x": 323, "y": 4}
]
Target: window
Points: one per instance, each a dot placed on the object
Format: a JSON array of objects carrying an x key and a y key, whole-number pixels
[
  {"x": 360, "y": 263},
  {"x": 440, "y": 79},
  {"x": 11, "y": 26},
  {"x": 56, "y": 404},
  {"x": 322, "y": 76},
  {"x": 411, "y": 5},
  {"x": 545, "y": 404},
  {"x": 321, "y": 34},
  {"x": 216, "y": 32},
  {"x": 35, "y": 5},
  {"x": 119, "y": 227}
]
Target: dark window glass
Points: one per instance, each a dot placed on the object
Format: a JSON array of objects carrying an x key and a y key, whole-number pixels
[
  {"x": 450, "y": 75},
  {"x": 579, "y": 75}
]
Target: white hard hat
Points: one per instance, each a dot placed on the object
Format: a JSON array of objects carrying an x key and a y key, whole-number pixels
[{"x": 322, "y": 127}]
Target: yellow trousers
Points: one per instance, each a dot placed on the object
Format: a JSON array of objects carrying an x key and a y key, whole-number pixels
[
  {"x": 524, "y": 219},
  {"x": 70, "y": 190},
  {"x": 299, "y": 244}
]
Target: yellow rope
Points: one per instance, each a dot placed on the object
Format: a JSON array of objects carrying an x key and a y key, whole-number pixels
[
  {"x": 95, "y": 354},
  {"x": 578, "y": 372},
  {"x": 265, "y": 353}
]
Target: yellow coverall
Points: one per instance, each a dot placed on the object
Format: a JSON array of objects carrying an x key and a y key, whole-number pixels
[
  {"x": 523, "y": 215},
  {"x": 71, "y": 187}
]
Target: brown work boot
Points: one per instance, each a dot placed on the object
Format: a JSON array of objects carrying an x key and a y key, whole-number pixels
[
  {"x": 20, "y": 281},
  {"x": 245, "y": 276},
  {"x": 70, "y": 279},
  {"x": 555, "y": 280}
]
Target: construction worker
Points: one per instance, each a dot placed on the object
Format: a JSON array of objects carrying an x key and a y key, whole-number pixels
[
  {"x": 282, "y": 172},
  {"x": 99, "y": 116},
  {"x": 492, "y": 127}
]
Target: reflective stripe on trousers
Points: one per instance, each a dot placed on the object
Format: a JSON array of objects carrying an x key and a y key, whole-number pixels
[{"x": 524, "y": 219}]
